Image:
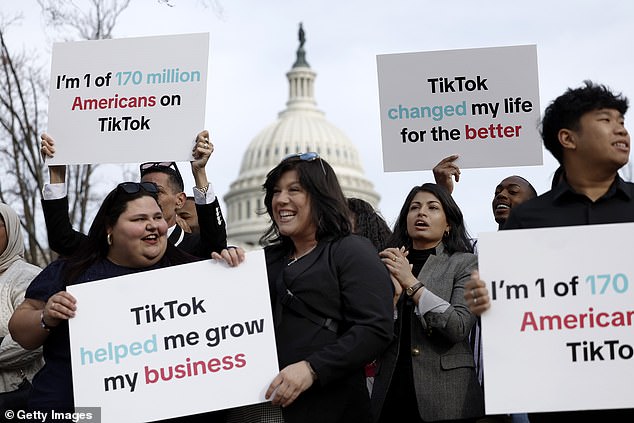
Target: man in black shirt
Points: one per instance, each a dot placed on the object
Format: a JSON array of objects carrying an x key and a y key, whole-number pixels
[
  {"x": 212, "y": 237},
  {"x": 584, "y": 130},
  {"x": 510, "y": 192}
]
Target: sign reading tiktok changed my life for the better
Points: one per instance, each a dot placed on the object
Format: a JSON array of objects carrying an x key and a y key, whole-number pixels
[
  {"x": 128, "y": 100},
  {"x": 482, "y": 104},
  {"x": 173, "y": 342},
  {"x": 559, "y": 335}
]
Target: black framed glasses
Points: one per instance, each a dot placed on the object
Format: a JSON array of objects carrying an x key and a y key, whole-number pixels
[
  {"x": 307, "y": 157},
  {"x": 134, "y": 187},
  {"x": 165, "y": 167}
]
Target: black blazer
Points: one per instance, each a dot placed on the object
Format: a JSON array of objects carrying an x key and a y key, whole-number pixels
[
  {"x": 65, "y": 240},
  {"x": 213, "y": 232},
  {"x": 346, "y": 281}
]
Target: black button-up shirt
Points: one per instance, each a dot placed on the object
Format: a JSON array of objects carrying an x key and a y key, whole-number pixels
[{"x": 562, "y": 206}]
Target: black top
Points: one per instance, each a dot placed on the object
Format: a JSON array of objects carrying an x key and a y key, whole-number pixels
[
  {"x": 562, "y": 206},
  {"x": 401, "y": 395},
  {"x": 343, "y": 280},
  {"x": 418, "y": 258}
]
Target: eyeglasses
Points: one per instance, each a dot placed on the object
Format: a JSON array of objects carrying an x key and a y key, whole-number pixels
[
  {"x": 134, "y": 187},
  {"x": 168, "y": 167},
  {"x": 306, "y": 157}
]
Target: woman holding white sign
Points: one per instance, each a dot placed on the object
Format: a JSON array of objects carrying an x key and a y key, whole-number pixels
[
  {"x": 428, "y": 372},
  {"x": 331, "y": 295},
  {"x": 128, "y": 235}
]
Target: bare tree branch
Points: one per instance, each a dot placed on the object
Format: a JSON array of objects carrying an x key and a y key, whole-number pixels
[
  {"x": 20, "y": 110},
  {"x": 215, "y": 6},
  {"x": 93, "y": 23},
  {"x": 23, "y": 92}
]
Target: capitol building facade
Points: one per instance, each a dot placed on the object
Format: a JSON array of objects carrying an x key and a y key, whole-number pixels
[{"x": 300, "y": 128}]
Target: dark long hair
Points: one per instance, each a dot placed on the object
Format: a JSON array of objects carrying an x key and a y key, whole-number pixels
[
  {"x": 369, "y": 223},
  {"x": 95, "y": 246},
  {"x": 329, "y": 209},
  {"x": 458, "y": 239}
]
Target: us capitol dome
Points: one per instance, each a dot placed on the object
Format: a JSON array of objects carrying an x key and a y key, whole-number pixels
[{"x": 300, "y": 128}]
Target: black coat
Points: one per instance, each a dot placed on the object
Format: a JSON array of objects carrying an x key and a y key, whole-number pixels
[{"x": 345, "y": 281}]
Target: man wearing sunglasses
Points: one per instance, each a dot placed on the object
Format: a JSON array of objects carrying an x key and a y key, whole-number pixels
[{"x": 64, "y": 240}]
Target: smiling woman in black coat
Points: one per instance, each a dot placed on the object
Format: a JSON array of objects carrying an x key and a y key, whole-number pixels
[{"x": 332, "y": 296}]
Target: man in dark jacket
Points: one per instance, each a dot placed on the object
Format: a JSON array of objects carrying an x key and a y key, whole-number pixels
[
  {"x": 584, "y": 129},
  {"x": 64, "y": 240}
]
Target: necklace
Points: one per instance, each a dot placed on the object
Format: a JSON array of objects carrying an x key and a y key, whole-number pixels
[{"x": 295, "y": 258}]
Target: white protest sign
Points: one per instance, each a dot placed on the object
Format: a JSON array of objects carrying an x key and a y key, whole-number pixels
[
  {"x": 559, "y": 333},
  {"x": 128, "y": 100},
  {"x": 482, "y": 104},
  {"x": 176, "y": 341}
]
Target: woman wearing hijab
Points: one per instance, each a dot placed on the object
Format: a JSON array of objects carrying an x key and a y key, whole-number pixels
[{"x": 16, "y": 363}]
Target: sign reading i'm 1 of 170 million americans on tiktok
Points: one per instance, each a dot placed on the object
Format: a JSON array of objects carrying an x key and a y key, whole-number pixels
[{"x": 128, "y": 100}]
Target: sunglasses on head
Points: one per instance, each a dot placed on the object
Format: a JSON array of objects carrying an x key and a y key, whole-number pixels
[
  {"x": 134, "y": 187},
  {"x": 169, "y": 167},
  {"x": 306, "y": 157}
]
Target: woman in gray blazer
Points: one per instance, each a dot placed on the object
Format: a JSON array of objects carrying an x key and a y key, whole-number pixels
[{"x": 428, "y": 373}]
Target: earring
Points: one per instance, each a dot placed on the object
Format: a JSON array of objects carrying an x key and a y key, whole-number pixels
[
  {"x": 446, "y": 234},
  {"x": 109, "y": 239}
]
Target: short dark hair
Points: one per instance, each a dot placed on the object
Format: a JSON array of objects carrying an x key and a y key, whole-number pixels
[
  {"x": 458, "y": 239},
  {"x": 168, "y": 168},
  {"x": 566, "y": 110},
  {"x": 329, "y": 207},
  {"x": 531, "y": 189}
]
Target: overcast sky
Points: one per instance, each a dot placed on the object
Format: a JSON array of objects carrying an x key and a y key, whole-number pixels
[{"x": 253, "y": 45}]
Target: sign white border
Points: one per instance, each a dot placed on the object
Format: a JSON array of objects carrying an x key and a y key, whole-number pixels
[
  {"x": 128, "y": 100},
  {"x": 482, "y": 104},
  {"x": 579, "y": 277},
  {"x": 122, "y": 337}
]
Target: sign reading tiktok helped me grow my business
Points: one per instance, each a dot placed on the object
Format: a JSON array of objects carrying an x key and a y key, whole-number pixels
[
  {"x": 559, "y": 335},
  {"x": 173, "y": 342},
  {"x": 128, "y": 100},
  {"x": 482, "y": 104}
]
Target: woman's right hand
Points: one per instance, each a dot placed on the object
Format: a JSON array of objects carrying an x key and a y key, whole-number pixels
[
  {"x": 60, "y": 306},
  {"x": 395, "y": 259},
  {"x": 289, "y": 383}
]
